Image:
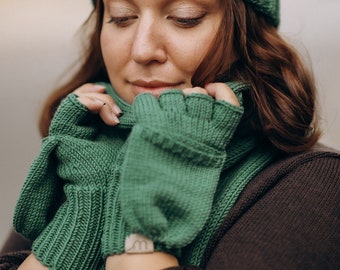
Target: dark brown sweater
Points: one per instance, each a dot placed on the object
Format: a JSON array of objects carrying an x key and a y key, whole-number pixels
[{"x": 288, "y": 217}]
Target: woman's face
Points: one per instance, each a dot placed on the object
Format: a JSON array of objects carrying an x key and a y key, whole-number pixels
[{"x": 155, "y": 45}]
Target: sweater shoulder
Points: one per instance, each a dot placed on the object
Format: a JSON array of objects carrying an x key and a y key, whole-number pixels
[
  {"x": 292, "y": 204},
  {"x": 314, "y": 171},
  {"x": 322, "y": 161}
]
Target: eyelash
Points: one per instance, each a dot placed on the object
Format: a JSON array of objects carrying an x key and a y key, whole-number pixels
[
  {"x": 187, "y": 22},
  {"x": 121, "y": 21},
  {"x": 182, "y": 22}
]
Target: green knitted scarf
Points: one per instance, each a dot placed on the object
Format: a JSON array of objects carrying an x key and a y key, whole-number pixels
[{"x": 245, "y": 159}]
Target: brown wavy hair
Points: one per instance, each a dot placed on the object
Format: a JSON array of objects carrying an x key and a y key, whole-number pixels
[{"x": 282, "y": 98}]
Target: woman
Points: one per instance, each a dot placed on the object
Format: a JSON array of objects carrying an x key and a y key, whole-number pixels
[{"x": 184, "y": 139}]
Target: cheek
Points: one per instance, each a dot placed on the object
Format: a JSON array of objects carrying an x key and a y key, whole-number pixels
[
  {"x": 105, "y": 48},
  {"x": 191, "y": 53},
  {"x": 112, "y": 52}
]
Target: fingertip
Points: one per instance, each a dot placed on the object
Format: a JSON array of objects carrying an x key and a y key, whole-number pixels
[
  {"x": 113, "y": 121},
  {"x": 108, "y": 115},
  {"x": 117, "y": 111}
]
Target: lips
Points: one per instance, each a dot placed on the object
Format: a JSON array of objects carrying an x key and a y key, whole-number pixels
[
  {"x": 153, "y": 84},
  {"x": 153, "y": 87}
]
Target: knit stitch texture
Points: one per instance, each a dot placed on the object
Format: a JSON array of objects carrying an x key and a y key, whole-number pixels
[
  {"x": 136, "y": 177},
  {"x": 69, "y": 158},
  {"x": 178, "y": 146},
  {"x": 272, "y": 224}
]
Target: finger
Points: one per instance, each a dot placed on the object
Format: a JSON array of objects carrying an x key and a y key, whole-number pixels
[
  {"x": 194, "y": 90},
  {"x": 101, "y": 107},
  {"x": 94, "y": 98},
  {"x": 104, "y": 98},
  {"x": 91, "y": 103},
  {"x": 108, "y": 116},
  {"x": 96, "y": 91},
  {"x": 89, "y": 88},
  {"x": 220, "y": 91}
]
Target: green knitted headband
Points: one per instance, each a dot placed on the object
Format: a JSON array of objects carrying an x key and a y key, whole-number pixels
[{"x": 269, "y": 8}]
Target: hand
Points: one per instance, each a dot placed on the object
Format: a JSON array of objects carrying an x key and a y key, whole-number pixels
[
  {"x": 93, "y": 97},
  {"x": 31, "y": 263},
  {"x": 147, "y": 261}
]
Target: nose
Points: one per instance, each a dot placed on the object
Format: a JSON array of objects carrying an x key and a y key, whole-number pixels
[{"x": 148, "y": 44}]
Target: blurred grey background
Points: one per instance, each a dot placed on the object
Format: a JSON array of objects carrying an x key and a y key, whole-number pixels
[{"x": 38, "y": 43}]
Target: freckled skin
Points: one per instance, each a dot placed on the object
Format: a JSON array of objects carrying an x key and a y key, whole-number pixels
[{"x": 161, "y": 42}]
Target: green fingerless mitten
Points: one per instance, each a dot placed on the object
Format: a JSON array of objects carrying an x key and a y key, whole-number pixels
[
  {"x": 173, "y": 161},
  {"x": 40, "y": 192},
  {"x": 76, "y": 157}
]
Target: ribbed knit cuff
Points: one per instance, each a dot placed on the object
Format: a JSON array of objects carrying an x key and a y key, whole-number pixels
[
  {"x": 115, "y": 229},
  {"x": 72, "y": 239}
]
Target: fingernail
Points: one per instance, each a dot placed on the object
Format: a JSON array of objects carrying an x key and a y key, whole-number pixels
[
  {"x": 115, "y": 118},
  {"x": 117, "y": 110}
]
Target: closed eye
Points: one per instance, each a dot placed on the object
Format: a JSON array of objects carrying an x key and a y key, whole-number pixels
[
  {"x": 122, "y": 21},
  {"x": 187, "y": 22}
]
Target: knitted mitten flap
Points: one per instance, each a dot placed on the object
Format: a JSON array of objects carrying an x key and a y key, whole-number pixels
[
  {"x": 76, "y": 157},
  {"x": 173, "y": 162}
]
